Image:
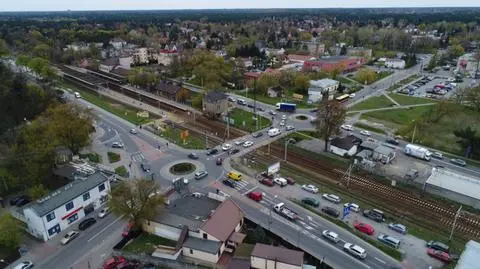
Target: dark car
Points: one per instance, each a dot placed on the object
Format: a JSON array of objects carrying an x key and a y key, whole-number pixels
[
  {"x": 148, "y": 266},
  {"x": 392, "y": 141},
  {"x": 250, "y": 105},
  {"x": 234, "y": 151},
  {"x": 219, "y": 161},
  {"x": 193, "y": 156},
  {"x": 331, "y": 211},
  {"x": 86, "y": 223},
  {"x": 267, "y": 182},
  {"x": 228, "y": 183},
  {"x": 257, "y": 134},
  {"x": 438, "y": 246},
  {"x": 212, "y": 152},
  {"x": 310, "y": 201},
  {"x": 146, "y": 167},
  {"x": 15, "y": 200},
  {"x": 260, "y": 109},
  {"x": 374, "y": 214},
  {"x": 21, "y": 202}
]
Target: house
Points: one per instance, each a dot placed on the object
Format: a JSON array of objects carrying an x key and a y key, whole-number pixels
[
  {"x": 320, "y": 87},
  {"x": 169, "y": 90},
  {"x": 166, "y": 55},
  {"x": 275, "y": 91},
  {"x": 141, "y": 56},
  {"x": 125, "y": 61},
  {"x": 345, "y": 146},
  {"x": 383, "y": 154},
  {"x": 470, "y": 256},
  {"x": 330, "y": 63},
  {"x": 467, "y": 63},
  {"x": 67, "y": 205},
  {"x": 215, "y": 103},
  {"x": 395, "y": 63},
  {"x": 295, "y": 58},
  {"x": 271, "y": 257},
  {"x": 118, "y": 43},
  {"x": 251, "y": 75},
  {"x": 360, "y": 51},
  {"x": 108, "y": 64}
]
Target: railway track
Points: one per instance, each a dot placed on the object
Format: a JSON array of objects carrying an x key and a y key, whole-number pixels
[{"x": 408, "y": 204}]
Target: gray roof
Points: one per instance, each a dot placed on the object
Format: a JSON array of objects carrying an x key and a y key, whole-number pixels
[
  {"x": 470, "y": 256},
  {"x": 214, "y": 96},
  {"x": 455, "y": 182},
  {"x": 322, "y": 83},
  {"x": 202, "y": 244},
  {"x": 383, "y": 150},
  {"x": 346, "y": 142},
  {"x": 67, "y": 193}
]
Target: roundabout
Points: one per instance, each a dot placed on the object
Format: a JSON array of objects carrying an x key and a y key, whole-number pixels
[{"x": 182, "y": 168}]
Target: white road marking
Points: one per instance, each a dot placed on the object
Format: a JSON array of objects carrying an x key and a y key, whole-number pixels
[
  {"x": 250, "y": 190},
  {"x": 103, "y": 230},
  {"x": 381, "y": 261}
]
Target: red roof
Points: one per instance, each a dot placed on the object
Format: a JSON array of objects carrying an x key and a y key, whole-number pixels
[
  {"x": 299, "y": 58},
  {"x": 223, "y": 221}
]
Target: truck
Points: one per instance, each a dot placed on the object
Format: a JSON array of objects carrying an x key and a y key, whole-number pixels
[
  {"x": 273, "y": 132},
  {"x": 418, "y": 152},
  {"x": 284, "y": 211},
  {"x": 286, "y": 107}
]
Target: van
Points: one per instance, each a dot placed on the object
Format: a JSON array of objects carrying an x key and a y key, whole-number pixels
[
  {"x": 255, "y": 195},
  {"x": 389, "y": 240},
  {"x": 234, "y": 175},
  {"x": 273, "y": 132},
  {"x": 280, "y": 181},
  {"x": 77, "y": 95}
]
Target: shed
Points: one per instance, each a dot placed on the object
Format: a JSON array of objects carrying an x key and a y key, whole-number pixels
[
  {"x": 345, "y": 146},
  {"x": 383, "y": 154},
  {"x": 470, "y": 256},
  {"x": 269, "y": 257}
]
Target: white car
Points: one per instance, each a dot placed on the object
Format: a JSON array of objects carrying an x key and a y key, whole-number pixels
[
  {"x": 355, "y": 250},
  {"x": 133, "y": 131},
  {"x": 273, "y": 113},
  {"x": 351, "y": 95},
  {"x": 247, "y": 144},
  {"x": 366, "y": 133},
  {"x": 226, "y": 147},
  {"x": 331, "y": 197},
  {"x": 284, "y": 117},
  {"x": 282, "y": 123},
  {"x": 103, "y": 212},
  {"x": 310, "y": 188},
  {"x": 353, "y": 207},
  {"x": 347, "y": 127},
  {"x": 239, "y": 142},
  {"x": 24, "y": 265},
  {"x": 69, "y": 237},
  {"x": 289, "y": 127},
  {"x": 331, "y": 236},
  {"x": 77, "y": 95},
  {"x": 280, "y": 181}
]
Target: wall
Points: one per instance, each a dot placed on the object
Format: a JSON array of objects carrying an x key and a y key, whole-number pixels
[
  {"x": 453, "y": 196},
  {"x": 163, "y": 230},
  {"x": 260, "y": 263},
  {"x": 337, "y": 151},
  {"x": 197, "y": 254},
  {"x": 35, "y": 224}
]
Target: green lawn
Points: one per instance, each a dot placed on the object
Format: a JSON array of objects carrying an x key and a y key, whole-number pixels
[
  {"x": 192, "y": 142},
  {"x": 369, "y": 128},
  {"x": 113, "y": 157},
  {"x": 244, "y": 120},
  {"x": 372, "y": 103},
  {"x": 410, "y": 100},
  {"x": 92, "y": 157},
  {"x": 403, "y": 82},
  {"x": 397, "y": 116},
  {"x": 120, "y": 110},
  {"x": 121, "y": 171},
  {"x": 146, "y": 243}
]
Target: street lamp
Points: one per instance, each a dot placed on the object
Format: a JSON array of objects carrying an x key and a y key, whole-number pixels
[{"x": 290, "y": 140}]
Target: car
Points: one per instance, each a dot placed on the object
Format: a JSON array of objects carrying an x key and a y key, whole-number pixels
[
  {"x": 257, "y": 134},
  {"x": 355, "y": 250},
  {"x": 280, "y": 181},
  {"x": 247, "y": 144},
  {"x": 315, "y": 110},
  {"x": 193, "y": 156},
  {"x": 200, "y": 174},
  {"x": 437, "y": 155},
  {"x": 282, "y": 123},
  {"x": 15, "y": 200},
  {"x": 289, "y": 127},
  {"x": 389, "y": 240},
  {"x": 219, "y": 161},
  {"x": 255, "y": 195},
  {"x": 458, "y": 162},
  {"x": 226, "y": 147},
  {"x": 331, "y": 197},
  {"x": 104, "y": 212},
  {"x": 392, "y": 141},
  {"x": 86, "y": 223},
  {"x": 332, "y": 236},
  {"x": 241, "y": 102},
  {"x": 112, "y": 262},
  {"x": 133, "y": 131},
  {"x": 146, "y": 167},
  {"x": 438, "y": 246},
  {"x": 22, "y": 201},
  {"x": 374, "y": 214},
  {"x": 311, "y": 201},
  {"x": 284, "y": 117},
  {"x": 347, "y": 127},
  {"x": 371, "y": 140},
  {"x": 353, "y": 207},
  {"x": 24, "y": 265},
  {"x": 397, "y": 227},
  {"x": 273, "y": 113},
  {"x": 332, "y": 212},
  {"x": 366, "y": 133},
  {"x": 239, "y": 142},
  {"x": 260, "y": 109},
  {"x": 77, "y": 95},
  {"x": 364, "y": 228},
  {"x": 250, "y": 105},
  {"x": 352, "y": 95},
  {"x": 69, "y": 237},
  {"x": 441, "y": 255},
  {"x": 267, "y": 182},
  {"x": 231, "y": 99},
  {"x": 310, "y": 188},
  {"x": 290, "y": 181},
  {"x": 212, "y": 152},
  {"x": 229, "y": 183},
  {"x": 117, "y": 145},
  {"x": 234, "y": 151}
]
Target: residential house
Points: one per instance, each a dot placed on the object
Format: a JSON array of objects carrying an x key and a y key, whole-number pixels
[
  {"x": 65, "y": 206},
  {"x": 141, "y": 56},
  {"x": 360, "y": 51},
  {"x": 215, "y": 103},
  {"x": 166, "y": 55},
  {"x": 81, "y": 46},
  {"x": 271, "y": 257},
  {"x": 108, "y": 64},
  {"x": 345, "y": 146},
  {"x": 320, "y": 87},
  {"x": 169, "y": 90},
  {"x": 275, "y": 91},
  {"x": 316, "y": 49},
  {"x": 118, "y": 43},
  {"x": 330, "y": 63},
  {"x": 125, "y": 61},
  {"x": 383, "y": 154},
  {"x": 395, "y": 63},
  {"x": 296, "y": 58},
  {"x": 468, "y": 64},
  {"x": 252, "y": 75}
]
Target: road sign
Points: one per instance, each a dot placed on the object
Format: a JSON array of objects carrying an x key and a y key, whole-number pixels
[{"x": 346, "y": 211}]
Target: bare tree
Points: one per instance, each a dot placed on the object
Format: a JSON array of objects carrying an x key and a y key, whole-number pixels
[{"x": 330, "y": 117}]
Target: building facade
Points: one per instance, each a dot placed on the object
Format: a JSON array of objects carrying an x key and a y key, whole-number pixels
[
  {"x": 271, "y": 257},
  {"x": 215, "y": 104},
  {"x": 319, "y": 87},
  {"x": 328, "y": 64},
  {"x": 467, "y": 63},
  {"x": 395, "y": 63},
  {"x": 360, "y": 52}
]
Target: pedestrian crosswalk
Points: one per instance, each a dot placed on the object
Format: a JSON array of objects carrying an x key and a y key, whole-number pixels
[
  {"x": 242, "y": 186},
  {"x": 137, "y": 157}
]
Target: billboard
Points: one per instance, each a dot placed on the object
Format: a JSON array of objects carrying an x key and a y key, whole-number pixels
[{"x": 273, "y": 168}]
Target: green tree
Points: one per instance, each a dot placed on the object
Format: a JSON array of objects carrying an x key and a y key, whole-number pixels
[
  {"x": 473, "y": 98},
  {"x": 366, "y": 75},
  {"x": 136, "y": 200},
  {"x": 469, "y": 140},
  {"x": 456, "y": 50},
  {"x": 7, "y": 180},
  {"x": 302, "y": 82},
  {"x": 330, "y": 116},
  {"x": 37, "y": 191},
  {"x": 305, "y": 36},
  {"x": 197, "y": 101},
  {"x": 11, "y": 235},
  {"x": 3, "y": 48}
]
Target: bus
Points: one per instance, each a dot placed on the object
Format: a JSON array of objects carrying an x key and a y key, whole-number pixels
[{"x": 342, "y": 98}]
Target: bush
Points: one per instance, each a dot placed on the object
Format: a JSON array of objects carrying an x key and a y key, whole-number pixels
[
  {"x": 113, "y": 157},
  {"x": 92, "y": 157},
  {"x": 121, "y": 171}
]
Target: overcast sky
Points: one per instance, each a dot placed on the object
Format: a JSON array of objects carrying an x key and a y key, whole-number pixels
[{"x": 45, "y": 5}]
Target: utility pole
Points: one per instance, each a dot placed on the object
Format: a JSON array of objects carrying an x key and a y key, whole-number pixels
[
  {"x": 206, "y": 140},
  {"x": 455, "y": 222},
  {"x": 347, "y": 175}
]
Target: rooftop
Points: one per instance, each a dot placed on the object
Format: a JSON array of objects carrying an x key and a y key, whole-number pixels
[
  {"x": 456, "y": 182},
  {"x": 223, "y": 221},
  {"x": 280, "y": 254},
  {"x": 470, "y": 256},
  {"x": 215, "y": 95},
  {"x": 383, "y": 150},
  {"x": 323, "y": 83},
  {"x": 168, "y": 87},
  {"x": 346, "y": 142},
  {"x": 202, "y": 244}
]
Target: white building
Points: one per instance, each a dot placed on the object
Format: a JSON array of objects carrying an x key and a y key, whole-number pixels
[
  {"x": 125, "y": 61},
  {"x": 118, "y": 43},
  {"x": 318, "y": 87},
  {"x": 271, "y": 257},
  {"x": 141, "y": 56},
  {"x": 395, "y": 63},
  {"x": 345, "y": 146},
  {"x": 467, "y": 63},
  {"x": 64, "y": 207}
]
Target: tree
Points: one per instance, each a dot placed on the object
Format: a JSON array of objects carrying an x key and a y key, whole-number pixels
[
  {"x": 37, "y": 191},
  {"x": 433, "y": 62},
  {"x": 456, "y": 50},
  {"x": 302, "y": 82},
  {"x": 365, "y": 75},
  {"x": 473, "y": 98},
  {"x": 136, "y": 200},
  {"x": 305, "y": 36},
  {"x": 330, "y": 116},
  {"x": 3, "y": 48},
  {"x": 11, "y": 235},
  {"x": 197, "y": 101},
  {"x": 468, "y": 140}
]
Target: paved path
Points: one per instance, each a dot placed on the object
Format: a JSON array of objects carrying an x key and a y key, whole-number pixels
[
  {"x": 389, "y": 108},
  {"x": 391, "y": 99}
]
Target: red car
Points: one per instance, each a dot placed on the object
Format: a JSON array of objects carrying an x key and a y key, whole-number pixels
[
  {"x": 443, "y": 256},
  {"x": 111, "y": 263},
  {"x": 267, "y": 182},
  {"x": 365, "y": 228},
  {"x": 255, "y": 195},
  {"x": 290, "y": 181}
]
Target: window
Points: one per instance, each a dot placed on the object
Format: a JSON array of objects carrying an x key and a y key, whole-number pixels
[
  {"x": 69, "y": 205},
  {"x": 72, "y": 218},
  {"x": 86, "y": 196},
  {"x": 55, "y": 229},
  {"x": 101, "y": 187},
  {"x": 191, "y": 251},
  {"x": 205, "y": 236},
  {"x": 50, "y": 216}
]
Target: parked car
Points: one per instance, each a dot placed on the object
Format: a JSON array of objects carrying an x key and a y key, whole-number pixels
[
  {"x": 280, "y": 181},
  {"x": 200, "y": 174},
  {"x": 437, "y": 155},
  {"x": 193, "y": 156},
  {"x": 458, "y": 162},
  {"x": 355, "y": 250},
  {"x": 441, "y": 255},
  {"x": 255, "y": 195},
  {"x": 112, "y": 262},
  {"x": 234, "y": 151},
  {"x": 289, "y": 127},
  {"x": 22, "y": 201},
  {"x": 212, "y": 151},
  {"x": 332, "y": 212},
  {"x": 226, "y": 147},
  {"x": 231, "y": 99},
  {"x": 438, "y": 246},
  {"x": 311, "y": 201},
  {"x": 267, "y": 182},
  {"x": 374, "y": 214},
  {"x": 24, "y": 265},
  {"x": 146, "y": 167},
  {"x": 392, "y": 141},
  {"x": 353, "y": 207},
  {"x": 332, "y": 236},
  {"x": 219, "y": 161},
  {"x": 77, "y": 95},
  {"x": 290, "y": 181},
  {"x": 347, "y": 127},
  {"x": 117, "y": 145},
  {"x": 239, "y": 142},
  {"x": 397, "y": 227},
  {"x": 310, "y": 188},
  {"x": 364, "y": 228},
  {"x": 229, "y": 183},
  {"x": 86, "y": 223},
  {"x": 133, "y": 131},
  {"x": 366, "y": 133},
  {"x": 331, "y": 197},
  {"x": 257, "y": 134},
  {"x": 282, "y": 123},
  {"x": 104, "y": 212},
  {"x": 389, "y": 240},
  {"x": 69, "y": 237},
  {"x": 15, "y": 200},
  {"x": 148, "y": 266},
  {"x": 247, "y": 144}
]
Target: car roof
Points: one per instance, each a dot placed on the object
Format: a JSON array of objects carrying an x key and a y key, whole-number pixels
[{"x": 357, "y": 248}]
